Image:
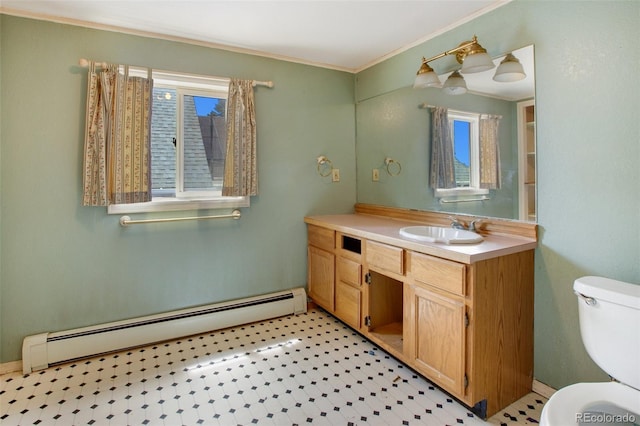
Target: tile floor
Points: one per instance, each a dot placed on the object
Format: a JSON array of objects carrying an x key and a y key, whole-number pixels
[{"x": 304, "y": 369}]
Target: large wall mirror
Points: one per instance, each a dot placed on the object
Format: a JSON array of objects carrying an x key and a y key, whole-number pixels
[{"x": 397, "y": 126}]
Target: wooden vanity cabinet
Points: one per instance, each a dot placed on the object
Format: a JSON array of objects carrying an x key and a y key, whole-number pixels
[{"x": 467, "y": 327}]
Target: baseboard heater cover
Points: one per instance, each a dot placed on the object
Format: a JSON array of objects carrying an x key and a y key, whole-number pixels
[{"x": 39, "y": 351}]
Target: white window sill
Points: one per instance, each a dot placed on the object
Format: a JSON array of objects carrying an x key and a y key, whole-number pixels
[{"x": 176, "y": 204}]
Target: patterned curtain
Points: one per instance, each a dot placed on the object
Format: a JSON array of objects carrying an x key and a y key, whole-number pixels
[
  {"x": 240, "y": 168},
  {"x": 490, "y": 176},
  {"x": 442, "y": 165},
  {"x": 117, "y": 146},
  {"x": 100, "y": 113}
]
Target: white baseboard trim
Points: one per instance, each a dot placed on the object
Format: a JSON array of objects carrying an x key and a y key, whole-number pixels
[
  {"x": 10, "y": 367},
  {"x": 542, "y": 389}
]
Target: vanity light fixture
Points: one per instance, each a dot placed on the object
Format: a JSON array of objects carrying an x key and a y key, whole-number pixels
[
  {"x": 426, "y": 77},
  {"x": 474, "y": 58},
  {"x": 455, "y": 84},
  {"x": 510, "y": 69}
]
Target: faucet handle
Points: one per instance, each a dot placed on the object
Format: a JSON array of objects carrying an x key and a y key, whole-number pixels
[
  {"x": 472, "y": 225},
  {"x": 455, "y": 223}
]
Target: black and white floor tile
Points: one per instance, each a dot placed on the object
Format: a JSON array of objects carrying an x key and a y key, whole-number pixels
[{"x": 304, "y": 369}]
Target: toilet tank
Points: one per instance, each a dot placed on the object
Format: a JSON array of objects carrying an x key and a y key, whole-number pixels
[{"x": 609, "y": 313}]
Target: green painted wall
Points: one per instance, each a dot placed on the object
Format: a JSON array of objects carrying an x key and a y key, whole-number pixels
[
  {"x": 67, "y": 266},
  {"x": 588, "y": 134}
]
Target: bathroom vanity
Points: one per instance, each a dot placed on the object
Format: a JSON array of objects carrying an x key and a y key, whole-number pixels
[{"x": 461, "y": 315}]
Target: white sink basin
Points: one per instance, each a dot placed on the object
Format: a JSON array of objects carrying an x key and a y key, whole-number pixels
[{"x": 438, "y": 234}]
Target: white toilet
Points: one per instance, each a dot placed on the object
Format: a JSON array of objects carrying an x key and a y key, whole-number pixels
[{"x": 609, "y": 313}]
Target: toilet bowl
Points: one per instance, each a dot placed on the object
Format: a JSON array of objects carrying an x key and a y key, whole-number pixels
[
  {"x": 609, "y": 403},
  {"x": 609, "y": 314}
]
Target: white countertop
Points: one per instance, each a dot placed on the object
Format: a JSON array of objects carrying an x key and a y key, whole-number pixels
[{"x": 387, "y": 230}]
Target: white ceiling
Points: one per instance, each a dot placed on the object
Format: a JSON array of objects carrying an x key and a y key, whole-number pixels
[{"x": 346, "y": 35}]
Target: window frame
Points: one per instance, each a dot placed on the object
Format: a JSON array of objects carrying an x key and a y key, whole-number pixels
[
  {"x": 180, "y": 192},
  {"x": 474, "y": 156},
  {"x": 195, "y": 85}
]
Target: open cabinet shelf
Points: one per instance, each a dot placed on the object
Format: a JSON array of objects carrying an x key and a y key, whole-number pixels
[
  {"x": 527, "y": 160},
  {"x": 385, "y": 316}
]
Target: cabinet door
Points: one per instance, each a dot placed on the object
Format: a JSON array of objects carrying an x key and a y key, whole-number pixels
[
  {"x": 321, "y": 279},
  {"x": 439, "y": 333},
  {"x": 348, "y": 292}
]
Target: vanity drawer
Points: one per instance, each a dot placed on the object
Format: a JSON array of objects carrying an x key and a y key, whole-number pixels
[
  {"x": 443, "y": 274},
  {"x": 348, "y": 271},
  {"x": 321, "y": 237},
  {"x": 385, "y": 257}
]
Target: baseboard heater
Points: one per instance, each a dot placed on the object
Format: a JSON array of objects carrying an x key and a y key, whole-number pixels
[{"x": 43, "y": 350}]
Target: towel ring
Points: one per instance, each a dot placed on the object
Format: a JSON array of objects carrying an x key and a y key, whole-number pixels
[
  {"x": 325, "y": 166},
  {"x": 391, "y": 169}
]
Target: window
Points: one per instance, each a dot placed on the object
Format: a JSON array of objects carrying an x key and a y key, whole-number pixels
[
  {"x": 464, "y": 128},
  {"x": 188, "y": 145}
]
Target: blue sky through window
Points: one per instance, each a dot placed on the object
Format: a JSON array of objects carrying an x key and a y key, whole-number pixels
[
  {"x": 205, "y": 105},
  {"x": 461, "y": 135}
]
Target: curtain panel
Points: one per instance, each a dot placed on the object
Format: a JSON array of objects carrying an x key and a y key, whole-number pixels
[
  {"x": 442, "y": 160},
  {"x": 240, "y": 169},
  {"x": 490, "y": 175},
  {"x": 117, "y": 146}
]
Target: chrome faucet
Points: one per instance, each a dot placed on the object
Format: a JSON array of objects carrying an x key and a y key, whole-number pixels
[
  {"x": 472, "y": 225},
  {"x": 456, "y": 224}
]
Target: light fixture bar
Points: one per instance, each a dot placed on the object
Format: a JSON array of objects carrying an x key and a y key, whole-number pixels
[
  {"x": 463, "y": 46},
  {"x": 470, "y": 54}
]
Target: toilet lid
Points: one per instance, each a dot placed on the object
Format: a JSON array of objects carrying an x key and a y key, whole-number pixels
[{"x": 568, "y": 405}]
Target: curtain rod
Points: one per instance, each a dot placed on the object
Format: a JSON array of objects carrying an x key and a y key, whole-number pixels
[
  {"x": 425, "y": 105},
  {"x": 85, "y": 64}
]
